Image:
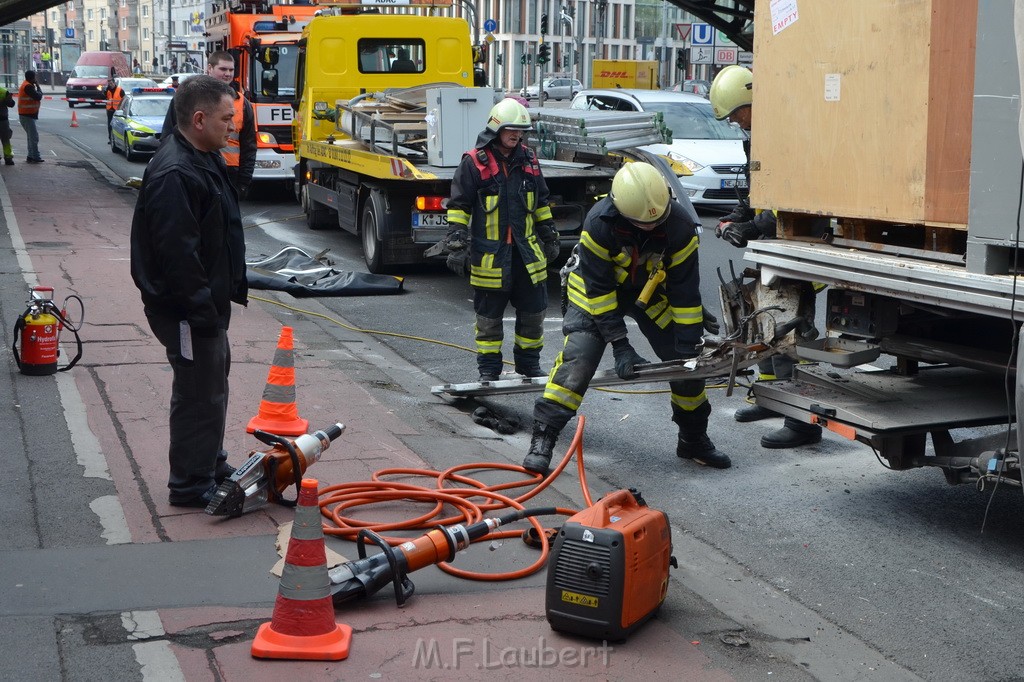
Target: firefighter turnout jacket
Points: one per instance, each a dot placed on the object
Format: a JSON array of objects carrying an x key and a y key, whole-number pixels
[
  {"x": 616, "y": 261},
  {"x": 502, "y": 202}
]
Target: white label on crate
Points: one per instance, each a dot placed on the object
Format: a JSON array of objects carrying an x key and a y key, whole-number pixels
[
  {"x": 784, "y": 14},
  {"x": 831, "y": 87},
  {"x": 588, "y": 536}
]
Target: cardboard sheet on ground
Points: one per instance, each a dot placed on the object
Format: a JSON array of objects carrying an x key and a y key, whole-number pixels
[
  {"x": 294, "y": 271},
  {"x": 284, "y": 534}
]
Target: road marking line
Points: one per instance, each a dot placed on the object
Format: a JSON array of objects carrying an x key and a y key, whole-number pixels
[
  {"x": 158, "y": 662},
  {"x": 87, "y": 448}
]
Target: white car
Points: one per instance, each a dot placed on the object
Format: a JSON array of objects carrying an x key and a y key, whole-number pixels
[
  {"x": 182, "y": 77},
  {"x": 554, "y": 88},
  {"x": 712, "y": 150}
]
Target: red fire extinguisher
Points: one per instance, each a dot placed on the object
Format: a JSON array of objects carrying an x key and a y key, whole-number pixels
[{"x": 38, "y": 329}]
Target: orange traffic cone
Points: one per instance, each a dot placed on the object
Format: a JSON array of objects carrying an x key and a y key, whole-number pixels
[
  {"x": 278, "y": 413},
  {"x": 74, "y": 119},
  {"x": 303, "y": 626}
]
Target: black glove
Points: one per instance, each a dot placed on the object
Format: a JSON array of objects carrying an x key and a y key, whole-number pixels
[
  {"x": 711, "y": 325},
  {"x": 626, "y": 359},
  {"x": 458, "y": 262},
  {"x": 456, "y": 240},
  {"x": 737, "y": 234},
  {"x": 552, "y": 249}
]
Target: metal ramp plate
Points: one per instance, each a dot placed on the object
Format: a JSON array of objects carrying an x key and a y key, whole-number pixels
[{"x": 881, "y": 403}]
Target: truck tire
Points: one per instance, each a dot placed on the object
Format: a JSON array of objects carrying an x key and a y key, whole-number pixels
[
  {"x": 369, "y": 232},
  {"x": 318, "y": 216}
]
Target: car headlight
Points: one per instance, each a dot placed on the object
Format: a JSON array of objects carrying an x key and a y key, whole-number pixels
[
  {"x": 690, "y": 164},
  {"x": 139, "y": 133},
  {"x": 266, "y": 138}
]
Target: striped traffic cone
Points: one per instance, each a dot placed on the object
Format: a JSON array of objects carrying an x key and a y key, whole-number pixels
[
  {"x": 303, "y": 626},
  {"x": 278, "y": 413},
  {"x": 74, "y": 119}
]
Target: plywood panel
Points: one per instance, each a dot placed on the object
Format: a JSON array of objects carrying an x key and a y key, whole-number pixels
[{"x": 854, "y": 104}]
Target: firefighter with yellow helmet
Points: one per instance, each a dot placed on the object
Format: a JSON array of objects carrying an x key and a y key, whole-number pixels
[
  {"x": 732, "y": 97},
  {"x": 499, "y": 205},
  {"x": 633, "y": 236}
]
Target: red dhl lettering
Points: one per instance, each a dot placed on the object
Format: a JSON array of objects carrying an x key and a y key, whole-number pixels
[{"x": 614, "y": 74}]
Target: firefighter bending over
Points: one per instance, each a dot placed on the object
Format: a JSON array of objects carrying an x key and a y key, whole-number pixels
[
  {"x": 627, "y": 238},
  {"x": 500, "y": 197}
]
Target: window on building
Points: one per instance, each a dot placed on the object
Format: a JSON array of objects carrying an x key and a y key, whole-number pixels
[
  {"x": 145, "y": 57},
  {"x": 124, "y": 3},
  {"x": 145, "y": 33},
  {"x": 124, "y": 45},
  {"x": 92, "y": 36},
  {"x": 103, "y": 13},
  {"x": 145, "y": 10},
  {"x": 88, "y": 14},
  {"x": 124, "y": 22}
]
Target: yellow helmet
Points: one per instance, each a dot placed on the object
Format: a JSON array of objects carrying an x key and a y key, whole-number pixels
[
  {"x": 508, "y": 113},
  {"x": 640, "y": 193},
  {"x": 731, "y": 90}
]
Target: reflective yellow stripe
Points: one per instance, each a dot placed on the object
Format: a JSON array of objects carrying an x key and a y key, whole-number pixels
[
  {"x": 528, "y": 343},
  {"x": 689, "y": 404},
  {"x": 693, "y": 315},
  {"x": 491, "y": 226},
  {"x": 577, "y": 291},
  {"x": 562, "y": 395},
  {"x": 682, "y": 254},
  {"x": 458, "y": 217},
  {"x": 595, "y": 248},
  {"x": 485, "y": 347},
  {"x": 485, "y": 275},
  {"x": 620, "y": 274},
  {"x": 543, "y": 213},
  {"x": 766, "y": 377},
  {"x": 657, "y": 310}
]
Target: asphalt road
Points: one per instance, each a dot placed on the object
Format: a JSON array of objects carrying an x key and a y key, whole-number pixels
[{"x": 925, "y": 573}]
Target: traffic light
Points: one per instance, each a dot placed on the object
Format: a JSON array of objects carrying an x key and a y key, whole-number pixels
[
  {"x": 498, "y": 60},
  {"x": 543, "y": 54},
  {"x": 680, "y": 60},
  {"x": 544, "y": 24}
]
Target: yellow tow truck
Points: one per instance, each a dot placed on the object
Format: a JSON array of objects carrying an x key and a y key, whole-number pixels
[{"x": 388, "y": 101}]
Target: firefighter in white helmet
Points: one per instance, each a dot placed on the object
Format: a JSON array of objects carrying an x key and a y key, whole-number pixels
[
  {"x": 627, "y": 238},
  {"x": 732, "y": 97},
  {"x": 499, "y": 202}
]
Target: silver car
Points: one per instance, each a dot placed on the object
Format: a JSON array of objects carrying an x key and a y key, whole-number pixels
[{"x": 554, "y": 88}]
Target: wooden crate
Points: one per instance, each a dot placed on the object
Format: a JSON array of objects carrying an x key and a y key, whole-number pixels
[{"x": 893, "y": 142}]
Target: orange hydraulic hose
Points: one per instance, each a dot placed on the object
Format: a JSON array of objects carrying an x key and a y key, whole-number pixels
[{"x": 337, "y": 499}]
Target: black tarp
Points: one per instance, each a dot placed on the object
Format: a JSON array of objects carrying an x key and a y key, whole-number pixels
[{"x": 294, "y": 271}]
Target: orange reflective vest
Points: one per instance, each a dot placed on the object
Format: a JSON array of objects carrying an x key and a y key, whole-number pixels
[
  {"x": 27, "y": 106},
  {"x": 114, "y": 98},
  {"x": 231, "y": 151}
]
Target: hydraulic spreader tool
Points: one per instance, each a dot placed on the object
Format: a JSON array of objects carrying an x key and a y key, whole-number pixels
[
  {"x": 265, "y": 476},
  {"x": 607, "y": 574}
]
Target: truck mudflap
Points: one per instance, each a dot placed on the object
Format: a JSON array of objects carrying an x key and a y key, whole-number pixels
[{"x": 894, "y": 413}]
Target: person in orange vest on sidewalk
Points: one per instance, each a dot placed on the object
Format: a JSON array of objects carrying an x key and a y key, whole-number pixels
[
  {"x": 29, "y": 97},
  {"x": 6, "y": 102},
  {"x": 114, "y": 95},
  {"x": 240, "y": 152}
]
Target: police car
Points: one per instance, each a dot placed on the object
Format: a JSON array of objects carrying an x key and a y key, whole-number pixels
[{"x": 137, "y": 123}]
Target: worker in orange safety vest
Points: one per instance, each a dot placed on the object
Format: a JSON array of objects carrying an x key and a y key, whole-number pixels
[
  {"x": 240, "y": 152},
  {"x": 114, "y": 94},
  {"x": 29, "y": 96}
]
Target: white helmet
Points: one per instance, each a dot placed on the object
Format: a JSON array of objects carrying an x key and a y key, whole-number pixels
[
  {"x": 641, "y": 194},
  {"x": 508, "y": 113},
  {"x": 731, "y": 90}
]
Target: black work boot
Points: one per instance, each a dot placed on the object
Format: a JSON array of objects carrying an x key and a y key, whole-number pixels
[
  {"x": 701, "y": 450},
  {"x": 529, "y": 369},
  {"x": 543, "y": 442},
  {"x": 754, "y": 413},
  {"x": 793, "y": 433}
]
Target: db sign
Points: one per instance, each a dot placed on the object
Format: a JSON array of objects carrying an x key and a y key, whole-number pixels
[{"x": 726, "y": 55}]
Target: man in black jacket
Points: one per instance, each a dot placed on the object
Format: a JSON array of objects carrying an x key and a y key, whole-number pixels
[
  {"x": 188, "y": 260},
  {"x": 634, "y": 235}
]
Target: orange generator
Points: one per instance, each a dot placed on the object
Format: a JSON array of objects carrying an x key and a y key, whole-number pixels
[{"x": 608, "y": 571}]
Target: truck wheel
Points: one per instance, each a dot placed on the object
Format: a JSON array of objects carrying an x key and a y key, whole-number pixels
[
  {"x": 369, "y": 228},
  {"x": 318, "y": 216}
]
